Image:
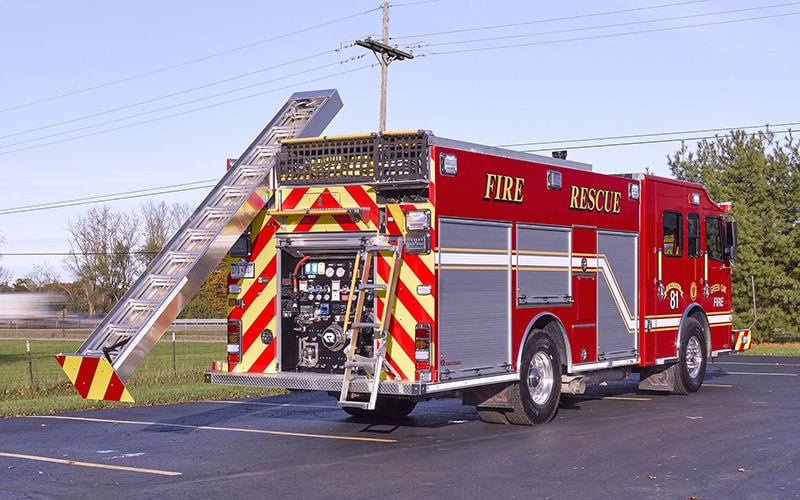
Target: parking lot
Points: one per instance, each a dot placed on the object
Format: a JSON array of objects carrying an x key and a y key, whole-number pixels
[{"x": 736, "y": 438}]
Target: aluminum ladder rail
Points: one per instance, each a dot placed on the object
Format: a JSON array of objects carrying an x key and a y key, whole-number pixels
[
  {"x": 145, "y": 312},
  {"x": 373, "y": 366}
]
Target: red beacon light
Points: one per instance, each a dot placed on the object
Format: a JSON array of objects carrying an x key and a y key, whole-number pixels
[{"x": 726, "y": 207}]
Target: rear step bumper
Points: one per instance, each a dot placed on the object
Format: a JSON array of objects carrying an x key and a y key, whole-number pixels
[{"x": 312, "y": 382}]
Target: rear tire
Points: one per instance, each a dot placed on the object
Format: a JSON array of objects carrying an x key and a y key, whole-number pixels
[
  {"x": 535, "y": 397},
  {"x": 692, "y": 357},
  {"x": 492, "y": 416}
]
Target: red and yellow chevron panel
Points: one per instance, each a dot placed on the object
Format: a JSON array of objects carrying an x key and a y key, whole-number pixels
[
  {"x": 743, "y": 340},
  {"x": 409, "y": 307},
  {"x": 94, "y": 378},
  {"x": 258, "y": 296}
]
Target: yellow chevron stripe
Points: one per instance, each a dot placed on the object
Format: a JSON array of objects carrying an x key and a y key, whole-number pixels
[
  {"x": 102, "y": 376},
  {"x": 71, "y": 366},
  {"x": 410, "y": 281},
  {"x": 250, "y": 356},
  {"x": 399, "y": 356}
]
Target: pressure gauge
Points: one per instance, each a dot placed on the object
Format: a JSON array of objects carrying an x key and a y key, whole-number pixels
[
  {"x": 329, "y": 271},
  {"x": 340, "y": 272}
]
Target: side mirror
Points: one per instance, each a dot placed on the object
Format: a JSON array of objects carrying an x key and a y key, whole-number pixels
[{"x": 730, "y": 240}]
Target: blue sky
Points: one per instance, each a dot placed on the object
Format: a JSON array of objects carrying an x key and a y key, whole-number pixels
[{"x": 105, "y": 97}]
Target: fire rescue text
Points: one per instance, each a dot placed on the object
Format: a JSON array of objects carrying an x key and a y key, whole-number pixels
[
  {"x": 503, "y": 188},
  {"x": 591, "y": 199}
]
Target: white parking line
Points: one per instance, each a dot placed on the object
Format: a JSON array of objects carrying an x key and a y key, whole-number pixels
[
  {"x": 764, "y": 374},
  {"x": 227, "y": 429},
  {"x": 754, "y": 364},
  {"x": 89, "y": 464}
]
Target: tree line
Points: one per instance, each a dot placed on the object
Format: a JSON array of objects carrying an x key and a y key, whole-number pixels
[
  {"x": 758, "y": 172},
  {"x": 108, "y": 251}
]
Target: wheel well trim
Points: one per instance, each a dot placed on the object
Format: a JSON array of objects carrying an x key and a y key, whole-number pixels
[
  {"x": 695, "y": 310},
  {"x": 540, "y": 322}
]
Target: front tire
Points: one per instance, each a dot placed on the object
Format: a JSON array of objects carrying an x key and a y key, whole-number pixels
[
  {"x": 535, "y": 397},
  {"x": 692, "y": 357}
]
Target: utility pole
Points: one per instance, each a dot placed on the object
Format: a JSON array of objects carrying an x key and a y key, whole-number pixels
[{"x": 385, "y": 54}]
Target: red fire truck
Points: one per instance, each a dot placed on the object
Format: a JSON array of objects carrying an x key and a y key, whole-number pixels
[
  {"x": 396, "y": 267},
  {"x": 391, "y": 268}
]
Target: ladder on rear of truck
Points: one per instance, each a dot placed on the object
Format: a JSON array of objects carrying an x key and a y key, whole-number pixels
[
  {"x": 373, "y": 366},
  {"x": 141, "y": 317}
]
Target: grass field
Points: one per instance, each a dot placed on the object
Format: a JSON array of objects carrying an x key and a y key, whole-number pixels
[{"x": 36, "y": 385}]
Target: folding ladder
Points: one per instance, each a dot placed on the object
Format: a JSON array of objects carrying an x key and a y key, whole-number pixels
[
  {"x": 375, "y": 365},
  {"x": 142, "y": 316}
]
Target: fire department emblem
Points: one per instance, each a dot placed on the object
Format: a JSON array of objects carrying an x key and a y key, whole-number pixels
[{"x": 693, "y": 290}]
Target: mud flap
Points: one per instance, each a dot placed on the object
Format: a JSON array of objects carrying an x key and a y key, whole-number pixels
[
  {"x": 488, "y": 396},
  {"x": 657, "y": 378}
]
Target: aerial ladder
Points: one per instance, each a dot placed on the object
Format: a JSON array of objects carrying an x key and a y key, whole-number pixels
[{"x": 105, "y": 361}]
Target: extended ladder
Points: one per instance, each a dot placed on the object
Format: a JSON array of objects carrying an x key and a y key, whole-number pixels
[
  {"x": 141, "y": 317},
  {"x": 375, "y": 365}
]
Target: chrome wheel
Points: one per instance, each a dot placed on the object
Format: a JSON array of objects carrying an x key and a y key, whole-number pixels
[
  {"x": 540, "y": 378},
  {"x": 694, "y": 356}
]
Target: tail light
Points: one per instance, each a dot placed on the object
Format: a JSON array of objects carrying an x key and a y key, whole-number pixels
[
  {"x": 422, "y": 346},
  {"x": 234, "y": 340},
  {"x": 418, "y": 231}
]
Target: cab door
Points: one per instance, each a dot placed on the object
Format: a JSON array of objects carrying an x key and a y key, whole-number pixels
[{"x": 672, "y": 289}]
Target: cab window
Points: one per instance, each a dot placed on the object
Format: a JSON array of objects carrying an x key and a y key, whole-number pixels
[
  {"x": 693, "y": 235},
  {"x": 714, "y": 241},
  {"x": 673, "y": 237}
]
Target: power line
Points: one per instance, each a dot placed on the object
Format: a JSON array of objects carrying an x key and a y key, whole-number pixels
[
  {"x": 244, "y": 75},
  {"x": 550, "y": 20},
  {"x": 172, "y": 106},
  {"x": 155, "y": 191},
  {"x": 161, "y": 98},
  {"x": 70, "y": 254},
  {"x": 337, "y": 74},
  {"x": 185, "y": 63},
  {"x": 612, "y": 35},
  {"x": 637, "y": 136},
  {"x": 185, "y": 103},
  {"x": 198, "y": 184},
  {"x": 125, "y": 195},
  {"x": 194, "y": 110},
  {"x": 616, "y": 25}
]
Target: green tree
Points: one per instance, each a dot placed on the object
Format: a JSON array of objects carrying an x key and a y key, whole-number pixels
[
  {"x": 210, "y": 301},
  {"x": 760, "y": 175},
  {"x": 102, "y": 256}
]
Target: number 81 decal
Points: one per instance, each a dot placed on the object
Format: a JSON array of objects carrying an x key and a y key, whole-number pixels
[
  {"x": 674, "y": 292},
  {"x": 674, "y": 300}
]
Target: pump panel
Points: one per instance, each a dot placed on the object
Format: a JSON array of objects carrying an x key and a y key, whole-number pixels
[{"x": 314, "y": 294}]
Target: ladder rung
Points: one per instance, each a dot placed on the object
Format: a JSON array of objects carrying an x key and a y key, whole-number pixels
[
  {"x": 359, "y": 364},
  {"x": 372, "y": 286},
  {"x": 364, "y": 405},
  {"x": 365, "y": 325}
]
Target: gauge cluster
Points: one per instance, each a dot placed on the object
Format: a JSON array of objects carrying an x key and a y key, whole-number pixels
[{"x": 314, "y": 296}]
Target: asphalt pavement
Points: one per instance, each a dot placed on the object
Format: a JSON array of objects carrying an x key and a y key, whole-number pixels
[{"x": 737, "y": 437}]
